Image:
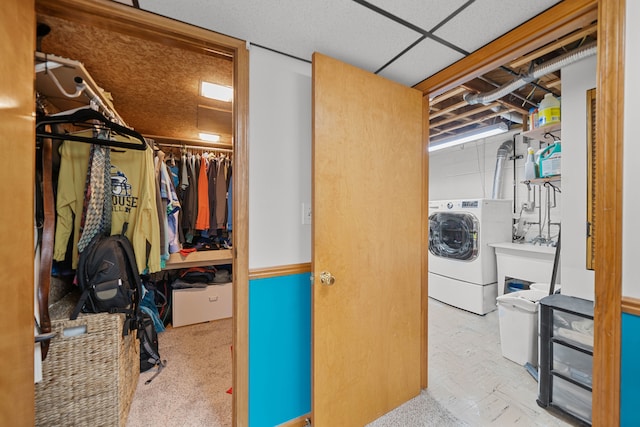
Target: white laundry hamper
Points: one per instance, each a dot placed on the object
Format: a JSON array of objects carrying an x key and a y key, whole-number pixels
[{"x": 518, "y": 319}]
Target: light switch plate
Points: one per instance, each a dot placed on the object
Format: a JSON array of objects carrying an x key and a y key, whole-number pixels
[{"x": 306, "y": 213}]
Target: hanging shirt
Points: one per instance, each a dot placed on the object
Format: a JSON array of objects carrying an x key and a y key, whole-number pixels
[
  {"x": 202, "y": 220},
  {"x": 161, "y": 207},
  {"x": 172, "y": 208},
  {"x": 133, "y": 201},
  {"x": 212, "y": 171},
  {"x": 221, "y": 193},
  {"x": 190, "y": 204},
  {"x": 74, "y": 162},
  {"x": 230, "y": 201}
]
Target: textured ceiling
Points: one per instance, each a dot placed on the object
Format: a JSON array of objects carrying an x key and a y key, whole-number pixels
[{"x": 406, "y": 41}]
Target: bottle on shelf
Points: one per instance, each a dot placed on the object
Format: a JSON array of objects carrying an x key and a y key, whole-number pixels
[
  {"x": 548, "y": 110},
  {"x": 530, "y": 166},
  {"x": 550, "y": 160}
]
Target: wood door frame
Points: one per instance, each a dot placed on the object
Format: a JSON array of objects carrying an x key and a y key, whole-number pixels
[
  {"x": 561, "y": 19},
  {"x": 139, "y": 23}
]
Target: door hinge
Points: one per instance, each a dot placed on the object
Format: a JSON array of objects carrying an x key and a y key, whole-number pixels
[{"x": 307, "y": 422}]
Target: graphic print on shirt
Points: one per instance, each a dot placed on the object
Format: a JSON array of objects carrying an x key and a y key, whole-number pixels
[{"x": 121, "y": 190}]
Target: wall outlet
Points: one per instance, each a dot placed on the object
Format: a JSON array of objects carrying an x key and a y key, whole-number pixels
[{"x": 306, "y": 213}]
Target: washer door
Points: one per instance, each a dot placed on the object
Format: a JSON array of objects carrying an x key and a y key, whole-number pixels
[{"x": 453, "y": 235}]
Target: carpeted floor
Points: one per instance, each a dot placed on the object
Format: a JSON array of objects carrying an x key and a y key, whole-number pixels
[
  {"x": 421, "y": 411},
  {"x": 191, "y": 391}
]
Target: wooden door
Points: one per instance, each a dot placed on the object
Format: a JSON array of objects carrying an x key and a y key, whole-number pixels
[
  {"x": 367, "y": 214},
  {"x": 17, "y": 171}
]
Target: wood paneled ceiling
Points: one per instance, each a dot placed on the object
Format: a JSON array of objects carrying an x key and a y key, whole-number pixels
[
  {"x": 450, "y": 114},
  {"x": 155, "y": 87}
]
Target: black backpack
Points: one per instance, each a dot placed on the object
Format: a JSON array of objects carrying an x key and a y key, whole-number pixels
[{"x": 109, "y": 280}]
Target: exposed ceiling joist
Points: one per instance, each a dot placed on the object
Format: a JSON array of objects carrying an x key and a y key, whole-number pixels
[
  {"x": 448, "y": 109},
  {"x": 451, "y": 129},
  {"x": 558, "y": 44},
  {"x": 469, "y": 113}
]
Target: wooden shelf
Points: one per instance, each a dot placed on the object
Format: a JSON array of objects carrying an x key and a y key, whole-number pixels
[
  {"x": 540, "y": 133},
  {"x": 199, "y": 258}
]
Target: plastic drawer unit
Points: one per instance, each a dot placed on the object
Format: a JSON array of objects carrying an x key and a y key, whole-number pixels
[{"x": 566, "y": 356}]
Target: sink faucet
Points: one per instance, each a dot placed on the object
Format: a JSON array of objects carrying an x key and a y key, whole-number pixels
[{"x": 540, "y": 240}]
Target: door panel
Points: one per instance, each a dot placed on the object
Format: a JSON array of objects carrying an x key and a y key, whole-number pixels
[
  {"x": 367, "y": 228},
  {"x": 17, "y": 172}
]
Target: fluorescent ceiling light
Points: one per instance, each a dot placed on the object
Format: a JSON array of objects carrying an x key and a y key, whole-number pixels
[
  {"x": 472, "y": 135},
  {"x": 209, "y": 137},
  {"x": 216, "y": 91}
]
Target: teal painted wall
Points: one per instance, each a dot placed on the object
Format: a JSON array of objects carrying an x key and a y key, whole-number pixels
[
  {"x": 630, "y": 371},
  {"x": 279, "y": 349}
]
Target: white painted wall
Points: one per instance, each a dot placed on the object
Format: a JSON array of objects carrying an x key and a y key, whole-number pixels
[
  {"x": 576, "y": 80},
  {"x": 631, "y": 192},
  {"x": 279, "y": 159}
]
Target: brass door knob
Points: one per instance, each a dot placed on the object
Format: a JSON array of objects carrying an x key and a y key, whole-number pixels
[{"x": 326, "y": 278}]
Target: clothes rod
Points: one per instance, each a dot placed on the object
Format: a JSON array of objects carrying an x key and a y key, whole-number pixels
[
  {"x": 194, "y": 147},
  {"x": 194, "y": 143}
]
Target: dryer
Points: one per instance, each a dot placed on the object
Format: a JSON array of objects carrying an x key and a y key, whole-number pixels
[{"x": 462, "y": 265}]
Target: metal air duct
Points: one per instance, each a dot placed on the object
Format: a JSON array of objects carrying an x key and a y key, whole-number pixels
[
  {"x": 503, "y": 153},
  {"x": 541, "y": 70}
]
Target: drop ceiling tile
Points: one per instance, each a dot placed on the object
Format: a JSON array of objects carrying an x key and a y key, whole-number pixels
[
  {"x": 424, "y": 60},
  {"x": 338, "y": 28},
  {"x": 486, "y": 20},
  {"x": 425, "y": 15}
]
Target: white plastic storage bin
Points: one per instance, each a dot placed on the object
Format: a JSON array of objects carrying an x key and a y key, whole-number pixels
[
  {"x": 518, "y": 319},
  {"x": 197, "y": 305}
]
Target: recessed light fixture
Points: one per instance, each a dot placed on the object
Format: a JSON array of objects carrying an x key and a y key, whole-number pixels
[
  {"x": 468, "y": 136},
  {"x": 209, "y": 137},
  {"x": 216, "y": 91}
]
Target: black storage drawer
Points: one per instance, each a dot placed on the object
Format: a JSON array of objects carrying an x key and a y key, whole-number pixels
[{"x": 565, "y": 372}]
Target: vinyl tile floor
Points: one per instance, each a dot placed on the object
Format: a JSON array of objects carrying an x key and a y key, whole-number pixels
[{"x": 469, "y": 376}]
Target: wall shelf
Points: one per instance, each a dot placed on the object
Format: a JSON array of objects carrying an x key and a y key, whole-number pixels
[
  {"x": 545, "y": 133},
  {"x": 543, "y": 181},
  {"x": 199, "y": 258}
]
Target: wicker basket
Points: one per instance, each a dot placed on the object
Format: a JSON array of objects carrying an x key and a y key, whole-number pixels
[{"x": 88, "y": 379}]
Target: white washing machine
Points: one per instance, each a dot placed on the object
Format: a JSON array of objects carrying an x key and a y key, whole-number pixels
[{"x": 462, "y": 265}]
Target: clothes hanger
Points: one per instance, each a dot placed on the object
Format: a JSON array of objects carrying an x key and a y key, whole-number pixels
[{"x": 89, "y": 117}]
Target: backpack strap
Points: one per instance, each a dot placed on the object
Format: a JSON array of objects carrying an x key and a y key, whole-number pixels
[
  {"x": 79, "y": 305},
  {"x": 134, "y": 313},
  {"x": 81, "y": 274}
]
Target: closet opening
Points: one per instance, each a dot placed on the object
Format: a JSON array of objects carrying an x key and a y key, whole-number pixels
[{"x": 147, "y": 73}]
